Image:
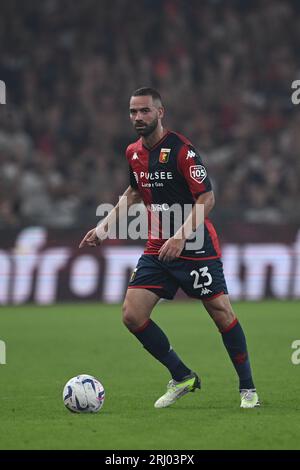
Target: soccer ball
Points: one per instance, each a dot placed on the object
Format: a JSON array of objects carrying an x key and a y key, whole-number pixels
[{"x": 83, "y": 394}]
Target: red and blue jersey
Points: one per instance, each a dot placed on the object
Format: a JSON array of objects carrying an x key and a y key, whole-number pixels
[{"x": 169, "y": 173}]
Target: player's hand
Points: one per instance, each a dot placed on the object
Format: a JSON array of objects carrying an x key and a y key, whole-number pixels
[
  {"x": 90, "y": 239},
  {"x": 171, "y": 249}
]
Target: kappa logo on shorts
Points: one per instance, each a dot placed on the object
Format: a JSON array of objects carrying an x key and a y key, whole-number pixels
[
  {"x": 205, "y": 291},
  {"x": 198, "y": 173}
]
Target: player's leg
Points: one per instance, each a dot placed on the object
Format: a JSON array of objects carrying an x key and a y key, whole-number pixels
[
  {"x": 204, "y": 279},
  {"x": 220, "y": 310},
  {"x": 137, "y": 309}
]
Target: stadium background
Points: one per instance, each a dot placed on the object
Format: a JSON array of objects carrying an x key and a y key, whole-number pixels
[
  {"x": 69, "y": 74},
  {"x": 225, "y": 70}
]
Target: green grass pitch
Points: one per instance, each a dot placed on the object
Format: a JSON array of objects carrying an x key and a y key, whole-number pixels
[{"x": 45, "y": 346}]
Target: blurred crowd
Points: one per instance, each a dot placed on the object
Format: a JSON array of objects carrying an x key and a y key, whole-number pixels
[{"x": 224, "y": 69}]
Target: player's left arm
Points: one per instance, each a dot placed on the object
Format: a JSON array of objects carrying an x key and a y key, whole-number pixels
[
  {"x": 191, "y": 167},
  {"x": 202, "y": 207},
  {"x": 173, "y": 247}
]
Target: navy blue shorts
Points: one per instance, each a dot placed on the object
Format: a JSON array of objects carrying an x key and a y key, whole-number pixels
[{"x": 201, "y": 279}]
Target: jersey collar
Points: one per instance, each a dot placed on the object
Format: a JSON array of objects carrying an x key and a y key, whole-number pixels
[{"x": 157, "y": 143}]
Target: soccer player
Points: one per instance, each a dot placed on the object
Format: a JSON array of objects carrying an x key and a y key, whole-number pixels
[{"x": 165, "y": 169}]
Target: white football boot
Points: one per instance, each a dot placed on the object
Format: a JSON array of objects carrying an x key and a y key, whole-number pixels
[
  {"x": 249, "y": 398},
  {"x": 176, "y": 390}
]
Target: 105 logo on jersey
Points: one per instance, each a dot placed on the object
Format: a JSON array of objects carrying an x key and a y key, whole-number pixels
[{"x": 198, "y": 173}]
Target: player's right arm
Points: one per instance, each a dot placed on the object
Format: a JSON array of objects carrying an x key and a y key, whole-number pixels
[{"x": 95, "y": 236}]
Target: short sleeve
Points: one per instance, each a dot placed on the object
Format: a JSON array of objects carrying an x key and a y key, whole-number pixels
[
  {"x": 132, "y": 179},
  {"x": 191, "y": 167}
]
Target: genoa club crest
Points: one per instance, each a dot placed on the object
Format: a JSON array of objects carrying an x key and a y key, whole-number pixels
[{"x": 164, "y": 155}]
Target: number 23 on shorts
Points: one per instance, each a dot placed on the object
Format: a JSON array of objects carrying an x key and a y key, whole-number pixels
[{"x": 201, "y": 275}]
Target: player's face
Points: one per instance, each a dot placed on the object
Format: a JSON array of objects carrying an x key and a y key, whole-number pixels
[{"x": 145, "y": 114}]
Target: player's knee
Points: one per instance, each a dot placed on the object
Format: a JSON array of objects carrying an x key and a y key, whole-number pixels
[
  {"x": 129, "y": 316},
  {"x": 226, "y": 319},
  {"x": 126, "y": 314},
  {"x": 223, "y": 316}
]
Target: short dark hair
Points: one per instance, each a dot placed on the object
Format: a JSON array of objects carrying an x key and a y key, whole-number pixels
[{"x": 147, "y": 91}]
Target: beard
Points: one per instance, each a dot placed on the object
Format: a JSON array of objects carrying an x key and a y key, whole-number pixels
[{"x": 148, "y": 129}]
